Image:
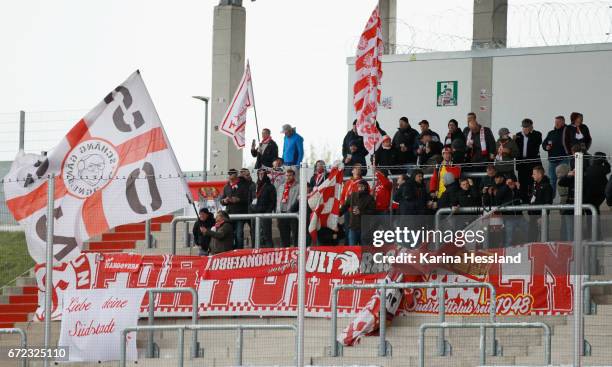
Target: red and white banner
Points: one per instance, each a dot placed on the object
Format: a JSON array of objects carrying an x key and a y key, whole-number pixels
[
  {"x": 324, "y": 200},
  {"x": 93, "y": 320},
  {"x": 368, "y": 75},
  {"x": 108, "y": 171},
  {"x": 264, "y": 282},
  {"x": 234, "y": 122}
]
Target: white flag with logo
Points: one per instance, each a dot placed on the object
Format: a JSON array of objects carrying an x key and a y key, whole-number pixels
[
  {"x": 115, "y": 166},
  {"x": 234, "y": 122}
]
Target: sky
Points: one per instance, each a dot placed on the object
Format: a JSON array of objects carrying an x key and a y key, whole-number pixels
[{"x": 60, "y": 58}]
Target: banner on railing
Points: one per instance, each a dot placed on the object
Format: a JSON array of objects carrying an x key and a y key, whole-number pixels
[{"x": 264, "y": 282}]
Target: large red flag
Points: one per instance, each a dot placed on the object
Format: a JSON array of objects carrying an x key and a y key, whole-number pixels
[
  {"x": 115, "y": 166},
  {"x": 368, "y": 74}
]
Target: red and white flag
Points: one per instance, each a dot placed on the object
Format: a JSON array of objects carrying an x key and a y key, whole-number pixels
[
  {"x": 368, "y": 74},
  {"x": 234, "y": 122},
  {"x": 324, "y": 201},
  {"x": 115, "y": 166}
]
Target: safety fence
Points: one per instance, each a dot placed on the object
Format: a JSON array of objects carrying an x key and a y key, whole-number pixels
[{"x": 23, "y": 341}]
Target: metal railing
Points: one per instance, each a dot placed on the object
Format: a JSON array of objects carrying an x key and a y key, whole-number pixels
[
  {"x": 586, "y": 285},
  {"x": 257, "y": 217},
  {"x": 383, "y": 345},
  {"x": 23, "y": 341},
  {"x": 519, "y": 208},
  {"x": 195, "y": 328},
  {"x": 194, "y": 317},
  {"x": 483, "y": 326}
]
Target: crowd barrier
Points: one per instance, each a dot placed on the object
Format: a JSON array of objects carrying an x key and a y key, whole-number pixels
[
  {"x": 23, "y": 341},
  {"x": 483, "y": 326},
  {"x": 383, "y": 346},
  {"x": 181, "y": 336}
]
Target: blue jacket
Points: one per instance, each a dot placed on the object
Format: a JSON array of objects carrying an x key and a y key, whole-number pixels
[{"x": 293, "y": 150}]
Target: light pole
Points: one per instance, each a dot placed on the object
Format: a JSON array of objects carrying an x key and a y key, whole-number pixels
[{"x": 205, "y": 164}]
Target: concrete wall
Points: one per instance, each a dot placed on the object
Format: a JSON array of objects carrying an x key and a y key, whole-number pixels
[{"x": 539, "y": 83}]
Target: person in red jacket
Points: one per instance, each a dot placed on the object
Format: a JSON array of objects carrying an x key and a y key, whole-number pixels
[
  {"x": 382, "y": 192},
  {"x": 436, "y": 185}
]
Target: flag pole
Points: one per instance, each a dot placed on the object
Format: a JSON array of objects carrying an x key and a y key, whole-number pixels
[{"x": 253, "y": 94}]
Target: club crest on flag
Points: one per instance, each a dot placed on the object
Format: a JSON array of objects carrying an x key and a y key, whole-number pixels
[{"x": 89, "y": 167}]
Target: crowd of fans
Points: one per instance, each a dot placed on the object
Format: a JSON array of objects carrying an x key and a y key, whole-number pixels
[{"x": 459, "y": 168}]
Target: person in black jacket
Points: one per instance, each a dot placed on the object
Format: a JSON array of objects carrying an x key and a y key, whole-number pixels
[
  {"x": 450, "y": 197},
  {"x": 404, "y": 142},
  {"x": 264, "y": 202},
  {"x": 480, "y": 144},
  {"x": 558, "y": 145},
  {"x": 353, "y": 157},
  {"x": 386, "y": 156},
  {"x": 353, "y": 136},
  {"x": 580, "y": 132},
  {"x": 468, "y": 196},
  {"x": 411, "y": 194},
  {"x": 319, "y": 175},
  {"x": 235, "y": 197},
  {"x": 454, "y": 133},
  {"x": 528, "y": 142},
  {"x": 267, "y": 151},
  {"x": 205, "y": 220},
  {"x": 540, "y": 193},
  {"x": 424, "y": 126}
]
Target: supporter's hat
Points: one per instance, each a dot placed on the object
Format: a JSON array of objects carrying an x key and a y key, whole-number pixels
[
  {"x": 503, "y": 132},
  {"x": 232, "y": 171}
]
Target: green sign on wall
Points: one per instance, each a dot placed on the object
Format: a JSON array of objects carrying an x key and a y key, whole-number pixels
[{"x": 446, "y": 93}]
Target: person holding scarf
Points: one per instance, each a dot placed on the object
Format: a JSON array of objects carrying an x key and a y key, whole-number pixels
[
  {"x": 287, "y": 195},
  {"x": 319, "y": 175},
  {"x": 436, "y": 184},
  {"x": 264, "y": 202},
  {"x": 507, "y": 151},
  {"x": 221, "y": 234},
  {"x": 267, "y": 151},
  {"x": 480, "y": 144}
]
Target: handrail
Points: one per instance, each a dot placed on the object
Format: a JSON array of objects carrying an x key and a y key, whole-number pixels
[
  {"x": 23, "y": 340},
  {"x": 181, "y": 341},
  {"x": 586, "y": 285},
  {"x": 194, "y": 316},
  {"x": 257, "y": 217},
  {"x": 482, "y": 326},
  {"x": 519, "y": 208},
  {"x": 382, "y": 351}
]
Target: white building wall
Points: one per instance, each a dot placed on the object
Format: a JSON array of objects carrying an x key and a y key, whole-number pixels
[{"x": 538, "y": 83}]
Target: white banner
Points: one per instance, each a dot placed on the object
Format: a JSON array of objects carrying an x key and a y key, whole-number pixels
[
  {"x": 93, "y": 320},
  {"x": 234, "y": 122}
]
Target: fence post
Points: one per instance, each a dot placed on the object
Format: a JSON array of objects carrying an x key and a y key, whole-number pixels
[
  {"x": 544, "y": 227},
  {"x": 442, "y": 318},
  {"x": 150, "y": 323},
  {"x": 483, "y": 348},
  {"x": 334, "y": 323},
  {"x": 258, "y": 232},
  {"x": 49, "y": 264},
  {"x": 382, "y": 327},
  {"x": 578, "y": 333},
  {"x": 239, "y": 345},
  {"x": 21, "y": 131},
  {"x": 302, "y": 264},
  {"x": 148, "y": 233},
  {"x": 181, "y": 342}
]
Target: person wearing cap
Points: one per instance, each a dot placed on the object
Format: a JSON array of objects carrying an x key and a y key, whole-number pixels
[
  {"x": 386, "y": 156},
  {"x": 353, "y": 136},
  {"x": 507, "y": 151},
  {"x": 528, "y": 142},
  {"x": 436, "y": 185},
  {"x": 205, "y": 220},
  {"x": 293, "y": 146},
  {"x": 267, "y": 151},
  {"x": 480, "y": 144},
  {"x": 235, "y": 198},
  {"x": 355, "y": 156},
  {"x": 424, "y": 126},
  {"x": 360, "y": 203},
  {"x": 404, "y": 141}
]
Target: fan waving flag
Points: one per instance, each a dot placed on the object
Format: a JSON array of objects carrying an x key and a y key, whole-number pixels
[
  {"x": 234, "y": 122},
  {"x": 324, "y": 201},
  {"x": 115, "y": 166},
  {"x": 368, "y": 74}
]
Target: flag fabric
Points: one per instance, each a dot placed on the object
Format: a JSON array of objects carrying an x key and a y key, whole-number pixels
[
  {"x": 115, "y": 166},
  {"x": 324, "y": 201},
  {"x": 368, "y": 74},
  {"x": 234, "y": 122}
]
